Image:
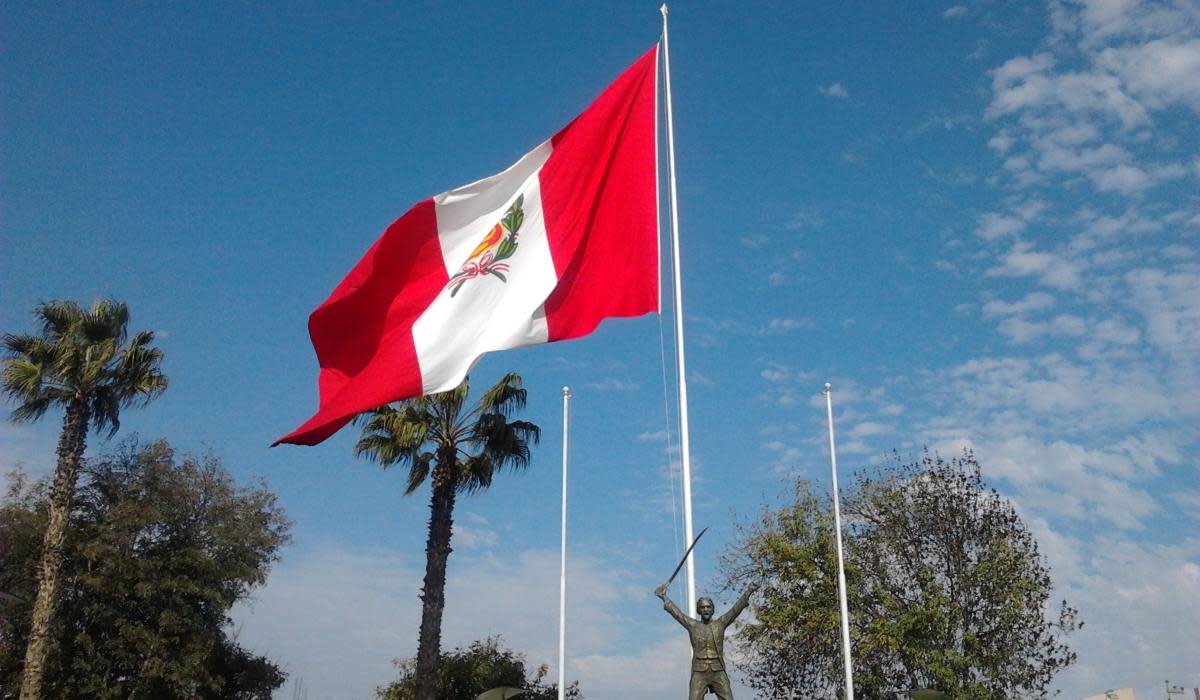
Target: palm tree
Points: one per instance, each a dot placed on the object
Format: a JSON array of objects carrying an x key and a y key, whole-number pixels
[
  {"x": 460, "y": 451},
  {"x": 81, "y": 361}
]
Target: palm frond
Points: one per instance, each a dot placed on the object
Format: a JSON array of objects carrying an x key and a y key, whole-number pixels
[
  {"x": 483, "y": 441},
  {"x": 58, "y": 317},
  {"x": 392, "y": 435},
  {"x": 138, "y": 372},
  {"x": 20, "y": 343},
  {"x": 106, "y": 320},
  {"x": 505, "y": 397},
  {"x": 418, "y": 471},
  {"x": 80, "y": 355},
  {"x": 105, "y": 407},
  {"x": 31, "y": 409},
  {"x": 529, "y": 432},
  {"x": 22, "y": 379},
  {"x": 141, "y": 339},
  {"x": 377, "y": 448},
  {"x": 476, "y": 473},
  {"x": 448, "y": 404},
  {"x": 505, "y": 443}
]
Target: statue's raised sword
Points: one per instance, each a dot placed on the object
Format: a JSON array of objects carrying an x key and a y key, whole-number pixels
[{"x": 685, "y": 556}]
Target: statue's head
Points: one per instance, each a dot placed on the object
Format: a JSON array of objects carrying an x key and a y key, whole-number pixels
[{"x": 704, "y": 606}]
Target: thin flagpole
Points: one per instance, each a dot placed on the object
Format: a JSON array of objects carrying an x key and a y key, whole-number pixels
[
  {"x": 685, "y": 449},
  {"x": 562, "y": 572},
  {"x": 837, "y": 524}
]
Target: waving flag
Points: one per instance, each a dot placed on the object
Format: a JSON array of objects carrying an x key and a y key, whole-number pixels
[{"x": 565, "y": 237}]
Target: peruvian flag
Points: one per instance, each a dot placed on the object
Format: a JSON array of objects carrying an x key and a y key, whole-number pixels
[{"x": 565, "y": 237}]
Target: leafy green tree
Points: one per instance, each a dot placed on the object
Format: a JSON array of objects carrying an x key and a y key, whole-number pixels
[
  {"x": 459, "y": 449},
  {"x": 464, "y": 673},
  {"x": 946, "y": 589},
  {"x": 160, "y": 548},
  {"x": 81, "y": 362}
]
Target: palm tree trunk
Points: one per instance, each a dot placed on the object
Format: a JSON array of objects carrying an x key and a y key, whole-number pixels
[
  {"x": 71, "y": 443},
  {"x": 433, "y": 593}
]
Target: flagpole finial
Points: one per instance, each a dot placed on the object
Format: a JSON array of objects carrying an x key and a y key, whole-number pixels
[
  {"x": 828, "y": 386},
  {"x": 663, "y": 9},
  {"x": 566, "y": 391}
]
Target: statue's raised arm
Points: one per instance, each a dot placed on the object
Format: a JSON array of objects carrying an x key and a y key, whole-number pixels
[
  {"x": 742, "y": 602},
  {"x": 670, "y": 607}
]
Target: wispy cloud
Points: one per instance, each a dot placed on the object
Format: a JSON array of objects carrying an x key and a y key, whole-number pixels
[
  {"x": 786, "y": 325},
  {"x": 358, "y": 610},
  {"x": 612, "y": 384},
  {"x": 1052, "y": 269},
  {"x": 755, "y": 241},
  {"x": 1034, "y": 301},
  {"x": 834, "y": 90}
]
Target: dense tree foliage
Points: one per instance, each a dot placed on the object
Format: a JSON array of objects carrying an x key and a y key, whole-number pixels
[
  {"x": 460, "y": 449},
  {"x": 946, "y": 588},
  {"x": 159, "y": 549},
  {"x": 83, "y": 362},
  {"x": 464, "y": 673}
]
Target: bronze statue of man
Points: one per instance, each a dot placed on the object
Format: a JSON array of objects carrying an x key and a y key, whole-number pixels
[{"x": 708, "y": 642}]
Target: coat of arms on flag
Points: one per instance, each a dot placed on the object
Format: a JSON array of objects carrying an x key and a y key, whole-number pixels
[{"x": 494, "y": 248}]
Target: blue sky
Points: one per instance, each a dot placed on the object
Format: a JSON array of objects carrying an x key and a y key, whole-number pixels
[{"x": 978, "y": 221}]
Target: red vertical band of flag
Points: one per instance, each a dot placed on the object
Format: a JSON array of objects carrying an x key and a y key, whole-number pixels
[
  {"x": 598, "y": 195},
  {"x": 599, "y": 189}
]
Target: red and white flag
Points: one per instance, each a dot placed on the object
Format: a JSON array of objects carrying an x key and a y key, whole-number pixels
[{"x": 565, "y": 237}]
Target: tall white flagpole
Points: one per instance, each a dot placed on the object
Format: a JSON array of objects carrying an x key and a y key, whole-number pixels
[
  {"x": 837, "y": 524},
  {"x": 685, "y": 449},
  {"x": 562, "y": 571}
]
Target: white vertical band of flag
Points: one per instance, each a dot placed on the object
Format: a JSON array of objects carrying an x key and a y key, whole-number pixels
[
  {"x": 685, "y": 455},
  {"x": 562, "y": 573},
  {"x": 837, "y": 525}
]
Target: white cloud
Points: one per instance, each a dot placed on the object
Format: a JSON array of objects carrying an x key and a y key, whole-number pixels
[
  {"x": 1177, "y": 252},
  {"x": 1034, "y": 301},
  {"x": 1001, "y": 142},
  {"x": 467, "y": 538},
  {"x": 1170, "y": 304},
  {"x": 1111, "y": 66},
  {"x": 1104, "y": 229},
  {"x": 656, "y": 671},
  {"x": 955, "y": 12},
  {"x": 356, "y": 611},
  {"x": 834, "y": 90},
  {"x": 1159, "y": 73},
  {"x": 1089, "y": 419},
  {"x": 869, "y": 429},
  {"x": 775, "y": 373},
  {"x": 1028, "y": 84},
  {"x": 992, "y": 226},
  {"x": 805, "y": 220},
  {"x": 1138, "y": 602},
  {"x": 1021, "y": 331},
  {"x": 1051, "y": 269},
  {"x": 784, "y": 325},
  {"x": 1123, "y": 178},
  {"x": 756, "y": 241},
  {"x": 612, "y": 384}
]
